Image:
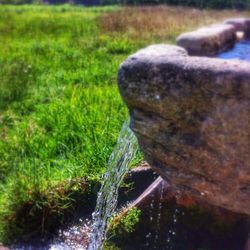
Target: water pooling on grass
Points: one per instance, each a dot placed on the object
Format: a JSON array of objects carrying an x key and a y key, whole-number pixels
[
  {"x": 118, "y": 166},
  {"x": 240, "y": 51}
]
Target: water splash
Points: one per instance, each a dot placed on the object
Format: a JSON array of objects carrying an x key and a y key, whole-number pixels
[
  {"x": 158, "y": 219},
  {"x": 171, "y": 234},
  {"x": 117, "y": 167}
]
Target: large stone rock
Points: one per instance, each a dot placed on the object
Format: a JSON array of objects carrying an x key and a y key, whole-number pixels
[
  {"x": 208, "y": 41},
  {"x": 191, "y": 116},
  {"x": 240, "y": 25}
]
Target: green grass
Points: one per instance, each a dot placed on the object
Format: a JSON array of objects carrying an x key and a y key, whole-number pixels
[{"x": 60, "y": 110}]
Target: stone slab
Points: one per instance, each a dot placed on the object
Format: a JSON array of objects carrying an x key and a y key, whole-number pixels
[
  {"x": 208, "y": 41},
  {"x": 191, "y": 116}
]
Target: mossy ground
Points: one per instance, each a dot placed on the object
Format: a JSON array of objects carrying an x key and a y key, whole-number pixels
[{"x": 60, "y": 109}]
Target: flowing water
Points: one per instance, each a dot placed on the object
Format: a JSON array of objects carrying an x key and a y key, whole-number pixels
[
  {"x": 78, "y": 236},
  {"x": 117, "y": 167}
]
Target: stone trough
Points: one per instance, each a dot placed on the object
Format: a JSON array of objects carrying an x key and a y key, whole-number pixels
[{"x": 191, "y": 114}]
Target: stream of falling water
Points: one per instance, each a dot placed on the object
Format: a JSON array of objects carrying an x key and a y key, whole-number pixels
[{"x": 117, "y": 167}]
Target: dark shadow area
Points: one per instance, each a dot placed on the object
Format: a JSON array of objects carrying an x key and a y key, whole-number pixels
[
  {"x": 40, "y": 224},
  {"x": 167, "y": 225}
]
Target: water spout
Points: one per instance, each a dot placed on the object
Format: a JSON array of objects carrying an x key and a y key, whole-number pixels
[{"x": 117, "y": 167}]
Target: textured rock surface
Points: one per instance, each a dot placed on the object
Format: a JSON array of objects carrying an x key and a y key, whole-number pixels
[
  {"x": 240, "y": 24},
  {"x": 191, "y": 116},
  {"x": 208, "y": 41}
]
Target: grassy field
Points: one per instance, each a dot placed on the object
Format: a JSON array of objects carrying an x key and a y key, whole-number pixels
[{"x": 60, "y": 110}]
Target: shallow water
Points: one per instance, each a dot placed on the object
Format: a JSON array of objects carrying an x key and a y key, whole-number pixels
[
  {"x": 240, "y": 51},
  {"x": 72, "y": 237}
]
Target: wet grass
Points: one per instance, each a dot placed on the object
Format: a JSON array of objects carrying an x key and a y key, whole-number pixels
[{"x": 60, "y": 110}]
